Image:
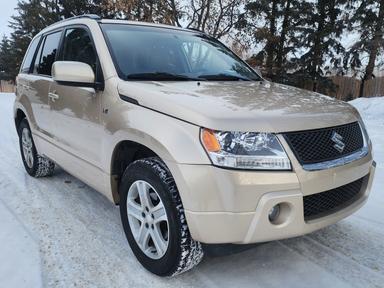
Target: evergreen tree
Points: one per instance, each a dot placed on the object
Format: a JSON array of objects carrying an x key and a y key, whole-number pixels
[
  {"x": 368, "y": 20},
  {"x": 272, "y": 24},
  {"x": 259, "y": 20},
  {"x": 7, "y": 62},
  {"x": 32, "y": 17},
  {"x": 319, "y": 36},
  {"x": 70, "y": 8}
]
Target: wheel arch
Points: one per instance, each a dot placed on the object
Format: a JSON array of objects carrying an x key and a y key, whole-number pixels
[
  {"x": 124, "y": 153},
  {"x": 22, "y": 109},
  {"x": 19, "y": 116}
]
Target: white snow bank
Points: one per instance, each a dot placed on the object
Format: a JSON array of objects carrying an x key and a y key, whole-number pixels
[
  {"x": 19, "y": 253},
  {"x": 19, "y": 250},
  {"x": 372, "y": 112},
  {"x": 370, "y": 108}
]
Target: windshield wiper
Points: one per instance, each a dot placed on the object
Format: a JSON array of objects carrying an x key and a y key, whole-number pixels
[
  {"x": 160, "y": 76},
  {"x": 223, "y": 77}
]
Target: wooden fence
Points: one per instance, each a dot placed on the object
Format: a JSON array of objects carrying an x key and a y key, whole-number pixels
[
  {"x": 7, "y": 86},
  {"x": 348, "y": 88},
  {"x": 374, "y": 87}
]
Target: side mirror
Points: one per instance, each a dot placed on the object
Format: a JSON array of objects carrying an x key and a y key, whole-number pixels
[{"x": 71, "y": 73}]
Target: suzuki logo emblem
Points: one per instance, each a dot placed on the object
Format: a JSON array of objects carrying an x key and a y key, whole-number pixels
[{"x": 338, "y": 140}]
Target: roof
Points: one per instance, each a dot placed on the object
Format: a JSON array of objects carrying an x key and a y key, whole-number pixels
[{"x": 93, "y": 17}]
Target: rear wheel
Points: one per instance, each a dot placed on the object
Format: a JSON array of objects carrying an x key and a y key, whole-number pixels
[
  {"x": 35, "y": 164},
  {"x": 153, "y": 219}
]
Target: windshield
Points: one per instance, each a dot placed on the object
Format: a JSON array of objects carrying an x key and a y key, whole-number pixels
[{"x": 161, "y": 54}]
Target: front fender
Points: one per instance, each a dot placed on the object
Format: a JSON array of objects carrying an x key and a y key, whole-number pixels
[{"x": 171, "y": 139}]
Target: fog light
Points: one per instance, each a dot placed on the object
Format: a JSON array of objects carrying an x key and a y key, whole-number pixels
[{"x": 274, "y": 213}]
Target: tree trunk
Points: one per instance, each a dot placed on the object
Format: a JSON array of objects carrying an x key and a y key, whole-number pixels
[
  {"x": 317, "y": 45},
  {"x": 284, "y": 30},
  {"x": 270, "y": 43},
  {"x": 207, "y": 15},
  {"x": 175, "y": 14},
  {"x": 374, "y": 48}
]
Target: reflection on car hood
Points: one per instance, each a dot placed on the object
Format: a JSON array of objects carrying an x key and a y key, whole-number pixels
[{"x": 241, "y": 106}]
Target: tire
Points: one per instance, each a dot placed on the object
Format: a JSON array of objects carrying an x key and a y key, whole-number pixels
[
  {"x": 35, "y": 164},
  {"x": 182, "y": 252}
]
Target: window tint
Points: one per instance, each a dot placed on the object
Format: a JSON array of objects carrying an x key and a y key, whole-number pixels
[
  {"x": 29, "y": 56},
  {"x": 48, "y": 54},
  {"x": 78, "y": 46},
  {"x": 38, "y": 56}
]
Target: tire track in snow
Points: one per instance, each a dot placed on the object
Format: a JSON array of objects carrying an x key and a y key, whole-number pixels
[{"x": 345, "y": 267}]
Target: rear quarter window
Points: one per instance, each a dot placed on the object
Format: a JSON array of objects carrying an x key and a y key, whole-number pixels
[{"x": 28, "y": 58}]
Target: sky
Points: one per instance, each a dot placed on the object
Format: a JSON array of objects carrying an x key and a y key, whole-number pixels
[{"x": 6, "y": 11}]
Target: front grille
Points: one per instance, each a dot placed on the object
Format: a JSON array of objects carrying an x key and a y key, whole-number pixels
[
  {"x": 315, "y": 146},
  {"x": 320, "y": 204}
]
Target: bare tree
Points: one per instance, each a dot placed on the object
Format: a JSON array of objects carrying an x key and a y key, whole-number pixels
[
  {"x": 215, "y": 17},
  {"x": 158, "y": 11}
]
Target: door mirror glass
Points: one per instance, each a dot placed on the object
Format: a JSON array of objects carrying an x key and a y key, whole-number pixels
[{"x": 72, "y": 73}]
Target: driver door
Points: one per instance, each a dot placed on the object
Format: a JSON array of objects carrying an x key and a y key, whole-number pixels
[{"x": 76, "y": 111}]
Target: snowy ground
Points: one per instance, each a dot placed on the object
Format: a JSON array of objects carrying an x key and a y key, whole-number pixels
[{"x": 58, "y": 232}]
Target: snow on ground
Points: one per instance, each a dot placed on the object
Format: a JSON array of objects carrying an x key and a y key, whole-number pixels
[{"x": 58, "y": 232}]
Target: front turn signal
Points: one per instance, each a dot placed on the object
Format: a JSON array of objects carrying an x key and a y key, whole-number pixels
[{"x": 209, "y": 140}]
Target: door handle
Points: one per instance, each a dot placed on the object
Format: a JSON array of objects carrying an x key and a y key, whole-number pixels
[
  {"x": 53, "y": 96},
  {"x": 25, "y": 87}
]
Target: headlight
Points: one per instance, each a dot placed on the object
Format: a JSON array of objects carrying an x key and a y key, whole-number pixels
[{"x": 245, "y": 150}]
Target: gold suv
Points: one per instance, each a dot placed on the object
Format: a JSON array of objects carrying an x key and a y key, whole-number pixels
[{"x": 192, "y": 144}]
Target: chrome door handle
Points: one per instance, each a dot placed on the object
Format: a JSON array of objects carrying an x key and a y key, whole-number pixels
[{"x": 53, "y": 96}]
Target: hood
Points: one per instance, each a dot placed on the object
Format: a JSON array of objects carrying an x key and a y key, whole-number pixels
[{"x": 241, "y": 106}]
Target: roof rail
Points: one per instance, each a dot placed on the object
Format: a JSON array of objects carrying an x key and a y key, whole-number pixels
[{"x": 89, "y": 16}]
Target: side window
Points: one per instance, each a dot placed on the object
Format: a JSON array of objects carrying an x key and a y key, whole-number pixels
[
  {"x": 78, "y": 46},
  {"x": 48, "y": 54},
  {"x": 38, "y": 56},
  {"x": 29, "y": 56}
]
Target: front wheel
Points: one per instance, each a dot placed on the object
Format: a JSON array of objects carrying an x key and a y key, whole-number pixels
[{"x": 153, "y": 219}]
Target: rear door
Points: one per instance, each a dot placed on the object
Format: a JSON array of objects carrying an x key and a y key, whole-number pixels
[
  {"x": 76, "y": 110},
  {"x": 24, "y": 89},
  {"x": 40, "y": 79}
]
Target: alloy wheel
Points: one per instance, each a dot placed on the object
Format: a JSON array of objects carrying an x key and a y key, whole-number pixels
[
  {"x": 27, "y": 145},
  {"x": 148, "y": 219}
]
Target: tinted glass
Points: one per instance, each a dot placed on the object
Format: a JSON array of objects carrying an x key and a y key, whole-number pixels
[
  {"x": 38, "y": 56},
  {"x": 140, "y": 49},
  {"x": 29, "y": 56},
  {"x": 48, "y": 54},
  {"x": 78, "y": 46}
]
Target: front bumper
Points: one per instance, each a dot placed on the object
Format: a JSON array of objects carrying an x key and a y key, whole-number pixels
[{"x": 228, "y": 206}]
